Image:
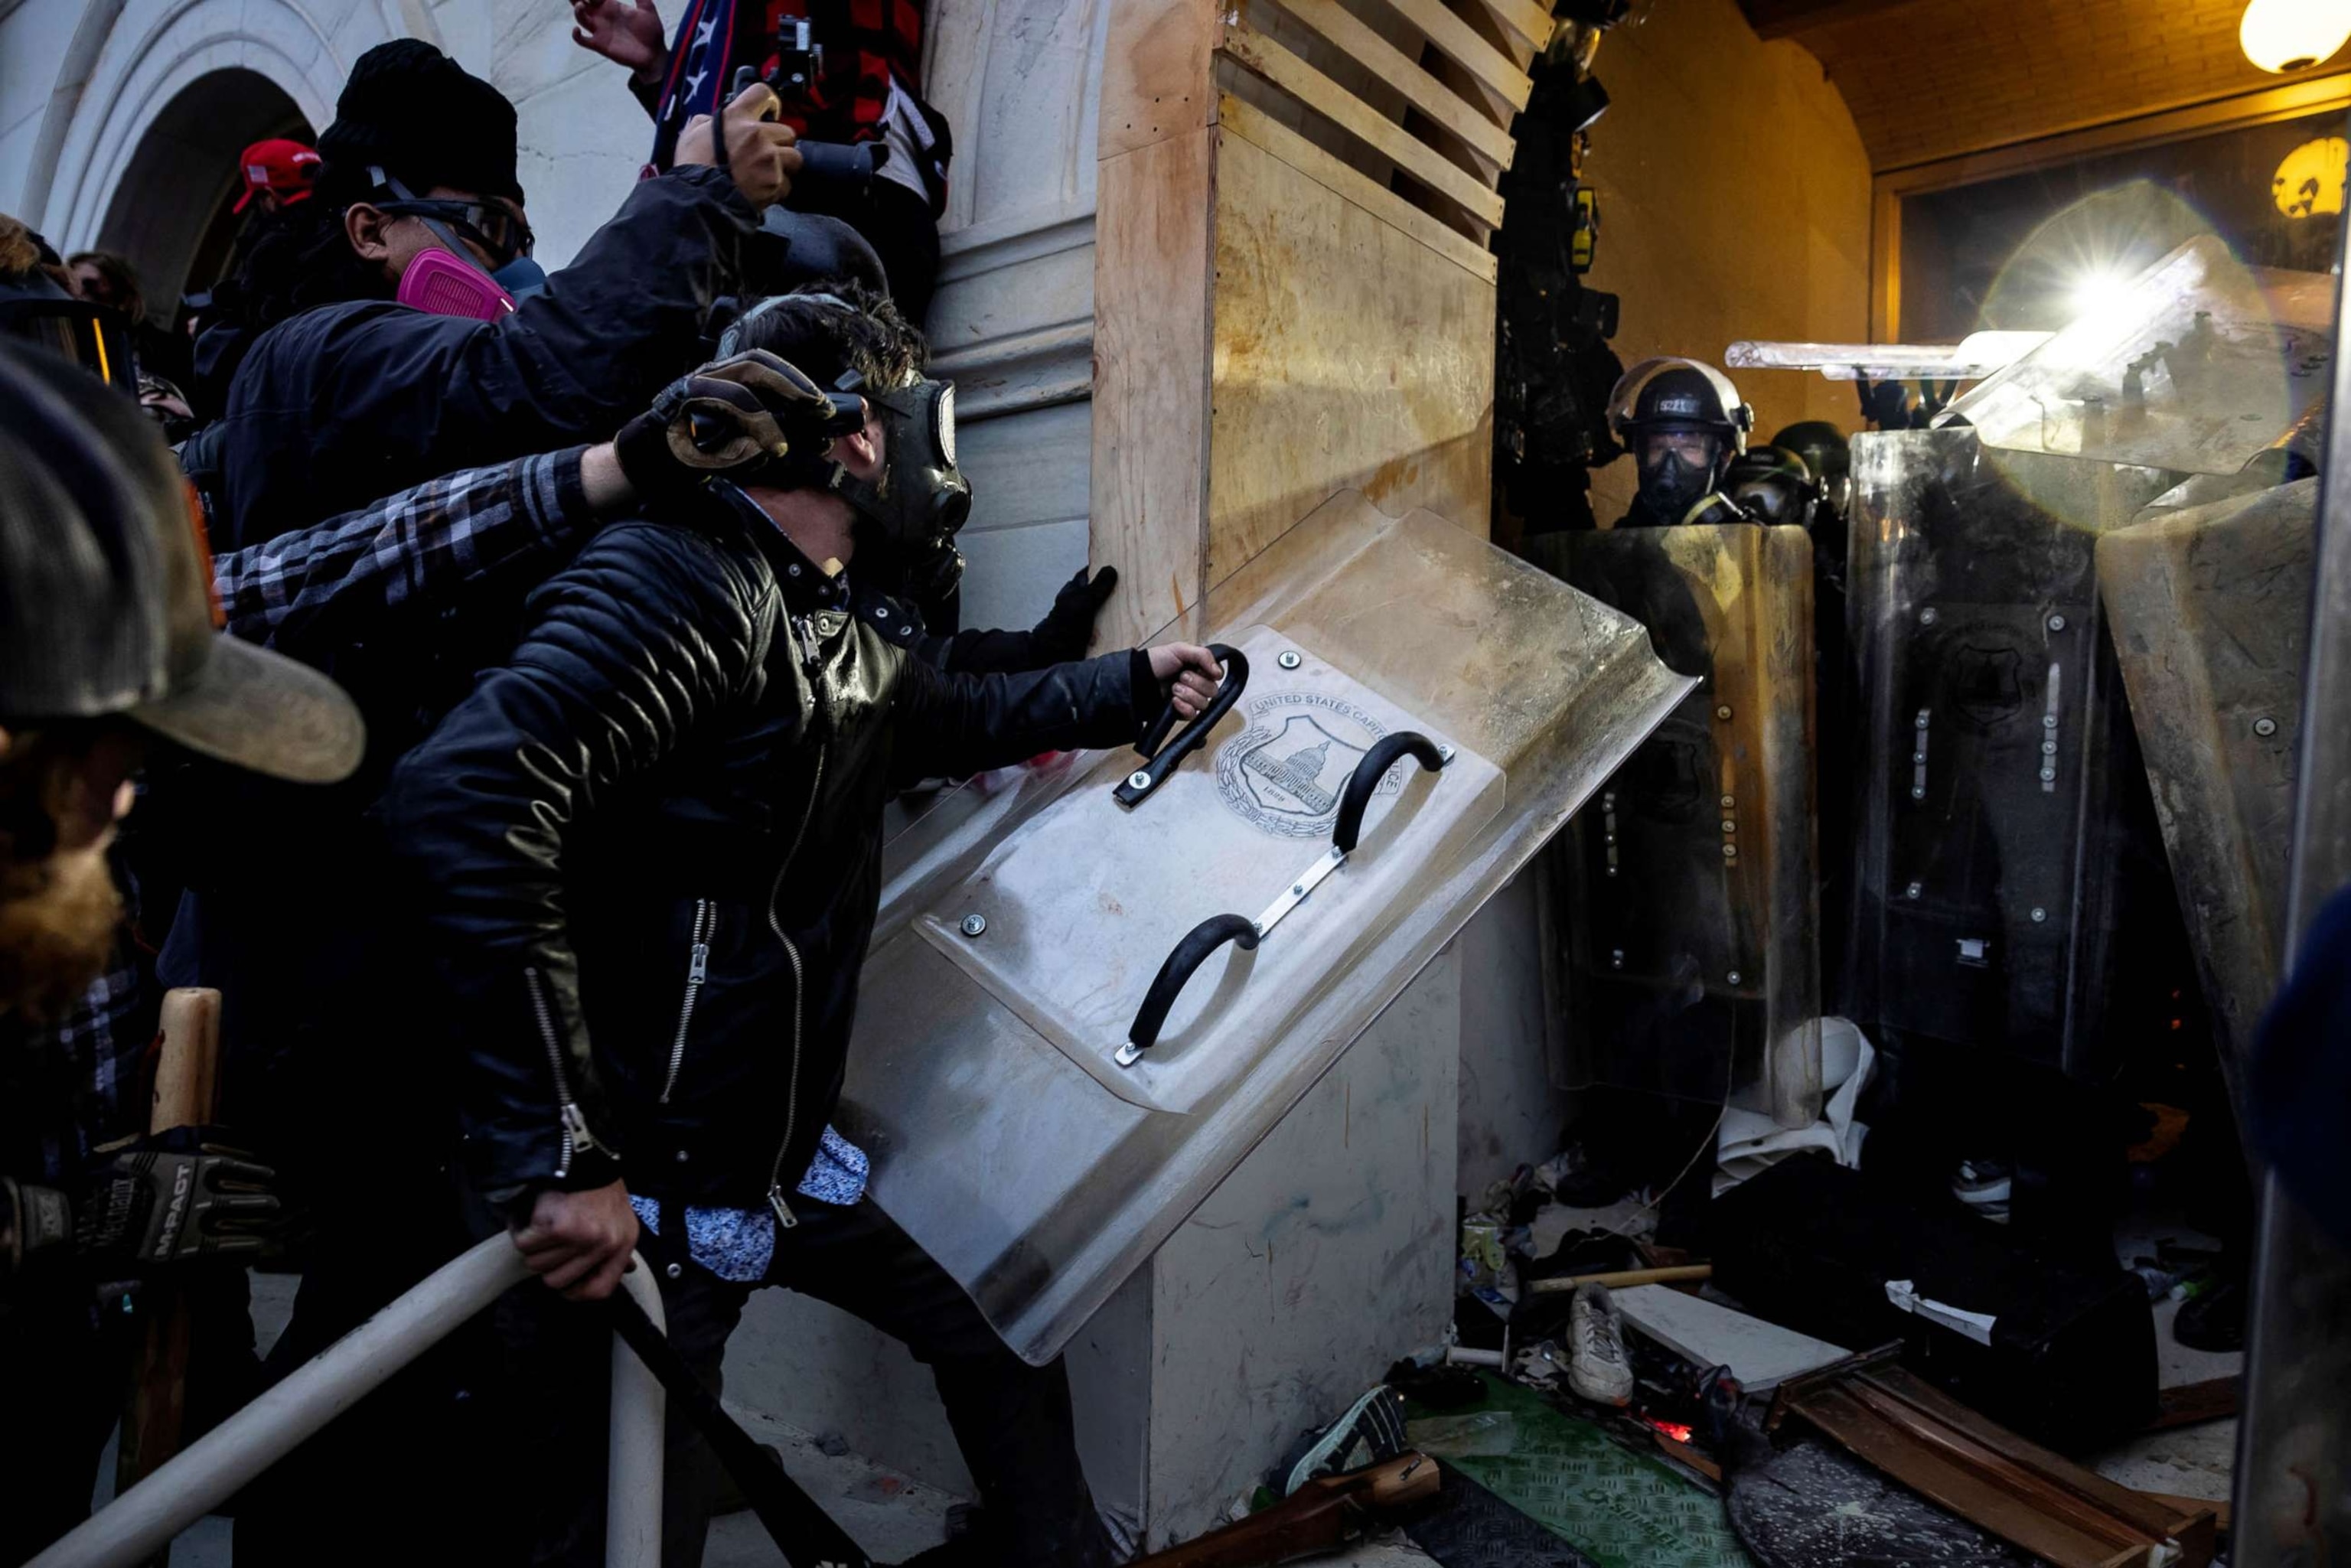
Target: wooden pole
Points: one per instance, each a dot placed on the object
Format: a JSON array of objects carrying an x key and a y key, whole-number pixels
[
  {"x": 187, "y": 1095},
  {"x": 1687, "y": 1273}
]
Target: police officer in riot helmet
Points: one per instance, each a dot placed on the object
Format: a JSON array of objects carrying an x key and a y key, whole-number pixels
[
  {"x": 1683, "y": 421},
  {"x": 1826, "y": 453},
  {"x": 1772, "y": 484}
]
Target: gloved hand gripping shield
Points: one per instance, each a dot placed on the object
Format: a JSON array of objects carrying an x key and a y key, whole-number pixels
[{"x": 1026, "y": 917}]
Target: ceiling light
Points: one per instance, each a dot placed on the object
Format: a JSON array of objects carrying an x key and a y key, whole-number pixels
[{"x": 2293, "y": 35}]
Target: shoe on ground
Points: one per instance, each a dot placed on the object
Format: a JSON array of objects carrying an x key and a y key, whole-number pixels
[
  {"x": 1597, "y": 1368},
  {"x": 1983, "y": 1183}
]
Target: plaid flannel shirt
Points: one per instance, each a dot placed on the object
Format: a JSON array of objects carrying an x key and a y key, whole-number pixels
[
  {"x": 411, "y": 549},
  {"x": 314, "y": 586}
]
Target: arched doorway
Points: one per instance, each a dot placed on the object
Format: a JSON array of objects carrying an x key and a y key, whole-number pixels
[{"x": 170, "y": 213}]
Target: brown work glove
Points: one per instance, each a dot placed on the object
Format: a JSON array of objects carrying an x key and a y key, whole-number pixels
[{"x": 730, "y": 419}]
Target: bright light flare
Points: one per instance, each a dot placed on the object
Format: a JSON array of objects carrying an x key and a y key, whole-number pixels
[{"x": 2283, "y": 36}]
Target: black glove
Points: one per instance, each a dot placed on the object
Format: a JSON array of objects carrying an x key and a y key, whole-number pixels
[
  {"x": 175, "y": 1198},
  {"x": 1061, "y": 637},
  {"x": 731, "y": 419}
]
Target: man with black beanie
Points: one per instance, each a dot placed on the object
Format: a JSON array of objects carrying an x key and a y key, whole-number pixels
[{"x": 394, "y": 328}]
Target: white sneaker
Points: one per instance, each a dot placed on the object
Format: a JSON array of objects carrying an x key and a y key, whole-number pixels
[{"x": 1598, "y": 1368}]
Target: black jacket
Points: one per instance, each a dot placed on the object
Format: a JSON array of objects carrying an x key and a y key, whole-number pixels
[
  {"x": 339, "y": 405},
  {"x": 689, "y": 749}
]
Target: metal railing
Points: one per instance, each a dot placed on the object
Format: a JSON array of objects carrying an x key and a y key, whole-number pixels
[{"x": 143, "y": 1521}]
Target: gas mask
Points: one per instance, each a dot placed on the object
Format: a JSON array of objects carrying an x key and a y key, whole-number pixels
[
  {"x": 1671, "y": 485},
  {"x": 912, "y": 509}
]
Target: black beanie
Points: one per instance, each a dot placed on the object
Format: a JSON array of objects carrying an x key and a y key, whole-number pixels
[{"x": 416, "y": 113}]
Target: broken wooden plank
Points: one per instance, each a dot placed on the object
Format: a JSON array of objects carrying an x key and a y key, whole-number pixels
[
  {"x": 1341, "y": 29},
  {"x": 1312, "y": 161},
  {"x": 1256, "y": 52},
  {"x": 1761, "y": 1354},
  {"x": 2019, "y": 1491},
  {"x": 2191, "y": 1403}
]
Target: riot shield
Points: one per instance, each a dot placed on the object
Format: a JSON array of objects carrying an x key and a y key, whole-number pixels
[
  {"x": 1992, "y": 836},
  {"x": 2209, "y": 612},
  {"x": 1094, "y": 987},
  {"x": 1691, "y": 927}
]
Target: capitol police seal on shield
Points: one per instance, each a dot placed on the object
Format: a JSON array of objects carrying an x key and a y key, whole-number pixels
[{"x": 1286, "y": 771}]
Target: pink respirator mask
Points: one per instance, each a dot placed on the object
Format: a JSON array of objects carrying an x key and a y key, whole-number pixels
[{"x": 444, "y": 285}]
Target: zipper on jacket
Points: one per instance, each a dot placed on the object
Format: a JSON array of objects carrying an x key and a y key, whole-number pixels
[
  {"x": 706, "y": 926},
  {"x": 570, "y": 1123},
  {"x": 784, "y": 1215}
]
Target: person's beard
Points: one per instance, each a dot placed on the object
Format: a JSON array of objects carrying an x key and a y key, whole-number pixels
[{"x": 58, "y": 917}]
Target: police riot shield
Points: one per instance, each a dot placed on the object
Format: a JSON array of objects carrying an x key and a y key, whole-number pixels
[
  {"x": 1097, "y": 982},
  {"x": 1691, "y": 959},
  {"x": 1997, "y": 761},
  {"x": 2210, "y": 610}
]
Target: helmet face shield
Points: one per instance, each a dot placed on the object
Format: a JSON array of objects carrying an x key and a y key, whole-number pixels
[{"x": 1697, "y": 447}]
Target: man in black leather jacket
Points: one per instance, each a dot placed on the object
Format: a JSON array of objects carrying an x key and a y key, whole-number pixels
[{"x": 648, "y": 850}]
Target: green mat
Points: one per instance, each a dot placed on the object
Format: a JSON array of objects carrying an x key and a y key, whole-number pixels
[{"x": 1621, "y": 1510}]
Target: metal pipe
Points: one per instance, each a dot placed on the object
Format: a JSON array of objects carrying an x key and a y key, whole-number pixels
[
  {"x": 143, "y": 1520},
  {"x": 632, "y": 1476}
]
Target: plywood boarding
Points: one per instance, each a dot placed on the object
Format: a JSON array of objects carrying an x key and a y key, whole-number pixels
[
  {"x": 1316, "y": 91},
  {"x": 1347, "y": 353},
  {"x": 1151, "y": 381},
  {"x": 1350, "y": 183},
  {"x": 1157, "y": 81},
  {"x": 1476, "y": 130}
]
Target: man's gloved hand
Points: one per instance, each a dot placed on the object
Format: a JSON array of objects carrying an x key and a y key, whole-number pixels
[
  {"x": 728, "y": 420},
  {"x": 1061, "y": 637},
  {"x": 175, "y": 1198}
]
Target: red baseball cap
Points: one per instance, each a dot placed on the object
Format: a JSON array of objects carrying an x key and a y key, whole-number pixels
[{"x": 286, "y": 168}]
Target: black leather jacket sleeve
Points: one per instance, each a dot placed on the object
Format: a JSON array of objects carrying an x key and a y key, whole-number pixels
[
  {"x": 948, "y": 725},
  {"x": 651, "y": 632}
]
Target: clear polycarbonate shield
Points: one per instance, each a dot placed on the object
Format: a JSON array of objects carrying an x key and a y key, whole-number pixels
[
  {"x": 1029, "y": 917},
  {"x": 2209, "y": 610},
  {"x": 2004, "y": 830},
  {"x": 1691, "y": 930},
  {"x": 2195, "y": 366}
]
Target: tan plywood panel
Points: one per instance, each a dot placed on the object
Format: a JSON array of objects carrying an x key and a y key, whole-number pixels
[
  {"x": 1347, "y": 354},
  {"x": 1151, "y": 382}
]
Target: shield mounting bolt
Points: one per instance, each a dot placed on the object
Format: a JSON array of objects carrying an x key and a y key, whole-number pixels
[
  {"x": 974, "y": 924},
  {"x": 1289, "y": 659}
]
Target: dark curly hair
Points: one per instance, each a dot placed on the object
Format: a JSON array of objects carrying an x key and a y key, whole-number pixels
[{"x": 831, "y": 328}]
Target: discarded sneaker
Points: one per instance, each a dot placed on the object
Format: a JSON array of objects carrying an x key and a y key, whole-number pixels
[
  {"x": 1985, "y": 1186},
  {"x": 1372, "y": 1430},
  {"x": 1598, "y": 1369}
]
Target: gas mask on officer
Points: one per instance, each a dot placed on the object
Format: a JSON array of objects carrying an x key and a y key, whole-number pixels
[
  {"x": 912, "y": 510},
  {"x": 1677, "y": 470}
]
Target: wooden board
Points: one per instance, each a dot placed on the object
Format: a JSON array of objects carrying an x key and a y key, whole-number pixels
[
  {"x": 1157, "y": 76},
  {"x": 1981, "y": 1471},
  {"x": 1761, "y": 1354},
  {"x": 1285, "y": 70},
  {"x": 1349, "y": 354},
  {"x": 1528, "y": 25},
  {"x": 1151, "y": 384},
  {"x": 1454, "y": 38},
  {"x": 1339, "y": 28},
  {"x": 1350, "y": 183}
]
